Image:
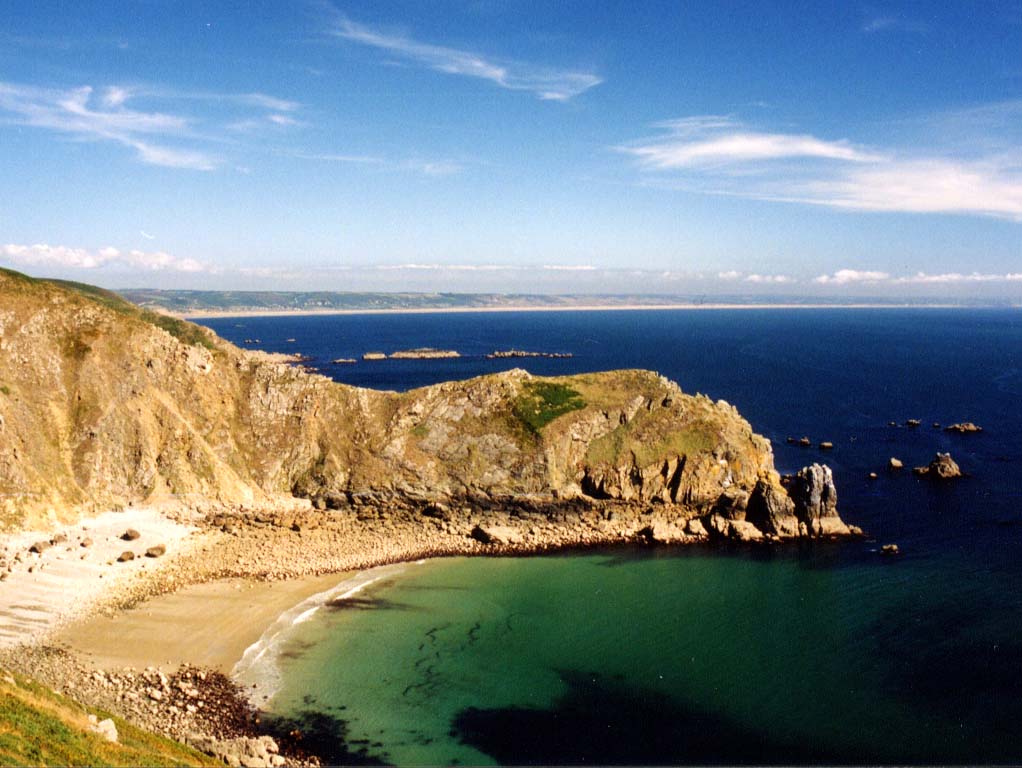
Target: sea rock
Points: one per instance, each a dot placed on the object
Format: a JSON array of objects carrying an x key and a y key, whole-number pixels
[
  {"x": 826, "y": 445},
  {"x": 805, "y": 442},
  {"x": 158, "y": 551},
  {"x": 912, "y": 423},
  {"x": 735, "y": 530},
  {"x": 894, "y": 463},
  {"x": 872, "y": 475},
  {"x": 943, "y": 467},
  {"x": 771, "y": 510},
  {"x": 815, "y": 499},
  {"x": 125, "y": 556},
  {"x": 130, "y": 535},
  {"x": 889, "y": 549},
  {"x": 496, "y": 534},
  {"x": 964, "y": 428}
]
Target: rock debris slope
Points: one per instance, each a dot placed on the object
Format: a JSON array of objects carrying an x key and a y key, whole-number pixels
[{"x": 105, "y": 404}]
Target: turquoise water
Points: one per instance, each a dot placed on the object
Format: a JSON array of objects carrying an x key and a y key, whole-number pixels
[
  {"x": 655, "y": 657},
  {"x": 829, "y": 654}
]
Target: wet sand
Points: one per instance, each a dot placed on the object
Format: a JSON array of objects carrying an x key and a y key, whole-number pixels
[{"x": 207, "y": 625}]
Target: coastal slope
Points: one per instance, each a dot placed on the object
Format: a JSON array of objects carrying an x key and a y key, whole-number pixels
[{"x": 104, "y": 404}]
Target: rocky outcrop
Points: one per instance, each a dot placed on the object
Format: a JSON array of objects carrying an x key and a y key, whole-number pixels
[
  {"x": 964, "y": 428},
  {"x": 815, "y": 501},
  {"x": 943, "y": 467},
  {"x": 105, "y": 404},
  {"x": 772, "y": 510}
]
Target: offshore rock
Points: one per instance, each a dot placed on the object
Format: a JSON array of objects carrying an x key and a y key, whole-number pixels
[
  {"x": 943, "y": 467},
  {"x": 965, "y": 428}
]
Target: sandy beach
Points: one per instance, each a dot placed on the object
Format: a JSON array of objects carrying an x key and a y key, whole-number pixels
[
  {"x": 205, "y": 625},
  {"x": 534, "y": 308}
]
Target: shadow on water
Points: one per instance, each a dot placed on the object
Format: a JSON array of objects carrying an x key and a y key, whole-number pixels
[
  {"x": 612, "y": 723},
  {"x": 363, "y": 603},
  {"x": 325, "y": 736}
]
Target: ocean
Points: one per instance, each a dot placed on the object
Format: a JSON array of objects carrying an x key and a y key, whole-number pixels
[{"x": 801, "y": 653}]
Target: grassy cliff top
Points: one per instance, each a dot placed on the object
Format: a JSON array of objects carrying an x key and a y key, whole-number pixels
[{"x": 41, "y": 727}]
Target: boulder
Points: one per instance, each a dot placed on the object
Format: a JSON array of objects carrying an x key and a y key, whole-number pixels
[
  {"x": 158, "y": 551},
  {"x": 107, "y": 729},
  {"x": 39, "y": 547},
  {"x": 735, "y": 530},
  {"x": 496, "y": 534},
  {"x": 771, "y": 510},
  {"x": 86, "y": 542},
  {"x": 732, "y": 503},
  {"x": 943, "y": 467},
  {"x": 695, "y": 527},
  {"x": 130, "y": 535},
  {"x": 58, "y": 538},
  {"x": 894, "y": 463},
  {"x": 964, "y": 428},
  {"x": 125, "y": 556}
]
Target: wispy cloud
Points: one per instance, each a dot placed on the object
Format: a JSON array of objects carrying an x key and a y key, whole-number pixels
[
  {"x": 43, "y": 255},
  {"x": 414, "y": 165},
  {"x": 168, "y": 139},
  {"x": 875, "y": 277},
  {"x": 545, "y": 82},
  {"x": 769, "y": 279},
  {"x": 713, "y": 140},
  {"x": 717, "y": 155},
  {"x": 892, "y": 23}
]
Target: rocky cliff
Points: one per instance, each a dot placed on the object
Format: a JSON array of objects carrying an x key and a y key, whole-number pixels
[{"x": 103, "y": 404}]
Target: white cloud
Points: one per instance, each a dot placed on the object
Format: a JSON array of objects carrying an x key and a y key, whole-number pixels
[
  {"x": 846, "y": 276},
  {"x": 157, "y": 137},
  {"x": 42, "y": 254},
  {"x": 729, "y": 275},
  {"x": 715, "y": 155},
  {"x": 569, "y": 267},
  {"x": 714, "y": 140},
  {"x": 545, "y": 83},
  {"x": 768, "y": 279},
  {"x": 958, "y": 277}
]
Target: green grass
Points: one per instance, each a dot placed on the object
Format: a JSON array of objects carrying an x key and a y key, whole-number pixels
[
  {"x": 543, "y": 401},
  {"x": 40, "y": 727}
]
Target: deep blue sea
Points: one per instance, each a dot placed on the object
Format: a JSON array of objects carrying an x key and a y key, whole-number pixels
[{"x": 787, "y": 655}]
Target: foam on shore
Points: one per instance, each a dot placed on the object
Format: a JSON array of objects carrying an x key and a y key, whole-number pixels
[{"x": 258, "y": 671}]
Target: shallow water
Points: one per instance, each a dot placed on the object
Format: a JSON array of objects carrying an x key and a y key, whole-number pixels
[{"x": 829, "y": 654}]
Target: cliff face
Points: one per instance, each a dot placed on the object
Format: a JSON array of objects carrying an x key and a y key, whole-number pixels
[{"x": 103, "y": 404}]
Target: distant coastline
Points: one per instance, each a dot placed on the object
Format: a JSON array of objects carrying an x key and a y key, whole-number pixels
[{"x": 258, "y": 312}]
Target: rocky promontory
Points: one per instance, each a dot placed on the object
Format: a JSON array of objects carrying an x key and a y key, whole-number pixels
[{"x": 106, "y": 405}]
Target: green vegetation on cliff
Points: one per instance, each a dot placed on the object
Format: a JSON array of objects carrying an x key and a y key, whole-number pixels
[
  {"x": 41, "y": 727},
  {"x": 543, "y": 401}
]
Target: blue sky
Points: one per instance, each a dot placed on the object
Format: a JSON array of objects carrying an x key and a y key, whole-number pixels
[{"x": 664, "y": 147}]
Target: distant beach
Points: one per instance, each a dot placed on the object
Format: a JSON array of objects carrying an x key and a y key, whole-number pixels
[{"x": 210, "y": 314}]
